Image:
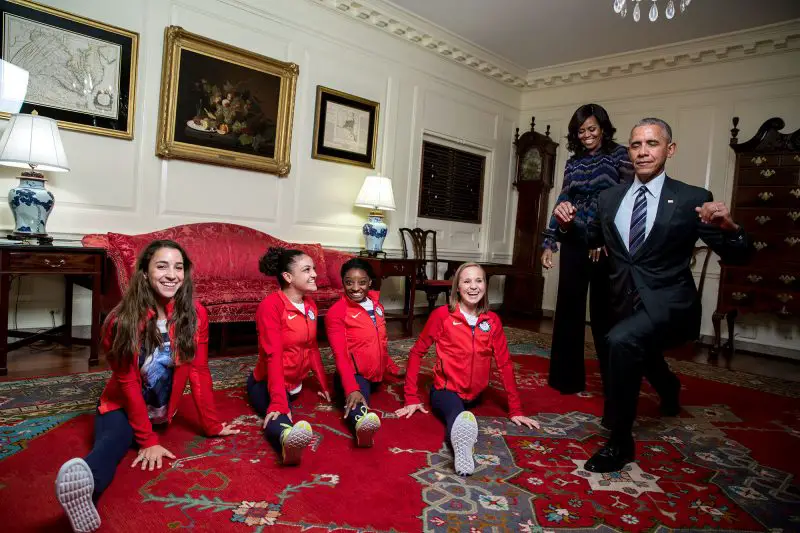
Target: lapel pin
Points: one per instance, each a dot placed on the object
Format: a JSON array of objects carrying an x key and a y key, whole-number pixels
[{"x": 670, "y": 201}]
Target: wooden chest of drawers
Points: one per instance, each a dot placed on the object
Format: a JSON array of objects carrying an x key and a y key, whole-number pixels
[{"x": 766, "y": 201}]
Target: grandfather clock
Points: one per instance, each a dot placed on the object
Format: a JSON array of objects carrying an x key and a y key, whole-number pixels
[{"x": 533, "y": 179}]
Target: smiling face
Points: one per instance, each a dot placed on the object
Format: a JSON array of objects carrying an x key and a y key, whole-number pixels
[
  {"x": 590, "y": 134},
  {"x": 302, "y": 276},
  {"x": 356, "y": 284},
  {"x": 165, "y": 272},
  {"x": 649, "y": 150},
  {"x": 471, "y": 286}
]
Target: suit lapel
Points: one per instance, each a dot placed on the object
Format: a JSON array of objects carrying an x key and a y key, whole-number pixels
[
  {"x": 615, "y": 203},
  {"x": 666, "y": 207}
]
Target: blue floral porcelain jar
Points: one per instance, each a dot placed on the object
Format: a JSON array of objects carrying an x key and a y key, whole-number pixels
[
  {"x": 31, "y": 205},
  {"x": 375, "y": 231}
]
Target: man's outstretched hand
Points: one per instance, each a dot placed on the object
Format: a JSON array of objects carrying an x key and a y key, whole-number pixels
[{"x": 716, "y": 214}]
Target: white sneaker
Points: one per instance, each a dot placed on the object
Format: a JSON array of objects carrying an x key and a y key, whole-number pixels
[
  {"x": 74, "y": 487},
  {"x": 463, "y": 437},
  {"x": 294, "y": 440},
  {"x": 366, "y": 425}
]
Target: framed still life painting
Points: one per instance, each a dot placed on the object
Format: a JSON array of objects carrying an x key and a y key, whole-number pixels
[
  {"x": 78, "y": 71},
  {"x": 225, "y": 105},
  {"x": 345, "y": 128}
]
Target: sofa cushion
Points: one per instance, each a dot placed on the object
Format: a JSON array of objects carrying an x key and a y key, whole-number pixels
[{"x": 218, "y": 291}]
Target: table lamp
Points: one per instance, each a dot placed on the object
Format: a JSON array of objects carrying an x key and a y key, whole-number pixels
[
  {"x": 376, "y": 194},
  {"x": 32, "y": 141}
]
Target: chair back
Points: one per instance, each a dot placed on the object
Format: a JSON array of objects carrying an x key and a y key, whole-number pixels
[
  {"x": 419, "y": 239},
  {"x": 695, "y": 254}
]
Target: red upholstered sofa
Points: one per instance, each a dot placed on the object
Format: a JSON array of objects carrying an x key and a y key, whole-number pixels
[{"x": 226, "y": 276}]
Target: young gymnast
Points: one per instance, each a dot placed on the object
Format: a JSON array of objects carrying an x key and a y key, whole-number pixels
[
  {"x": 287, "y": 349},
  {"x": 155, "y": 340},
  {"x": 356, "y": 329},
  {"x": 467, "y": 336}
]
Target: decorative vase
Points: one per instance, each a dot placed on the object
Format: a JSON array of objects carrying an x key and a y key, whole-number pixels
[
  {"x": 31, "y": 204},
  {"x": 375, "y": 231}
]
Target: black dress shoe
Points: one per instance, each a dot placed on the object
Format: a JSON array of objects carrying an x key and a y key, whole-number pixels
[{"x": 610, "y": 458}]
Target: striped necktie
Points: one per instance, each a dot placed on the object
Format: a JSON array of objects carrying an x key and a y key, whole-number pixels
[{"x": 638, "y": 221}]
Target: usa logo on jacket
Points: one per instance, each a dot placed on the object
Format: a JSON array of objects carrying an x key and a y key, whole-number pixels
[
  {"x": 311, "y": 315},
  {"x": 485, "y": 326},
  {"x": 379, "y": 311}
]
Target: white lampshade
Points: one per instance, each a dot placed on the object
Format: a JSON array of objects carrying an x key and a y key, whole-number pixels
[
  {"x": 13, "y": 87},
  {"x": 376, "y": 193},
  {"x": 32, "y": 140}
]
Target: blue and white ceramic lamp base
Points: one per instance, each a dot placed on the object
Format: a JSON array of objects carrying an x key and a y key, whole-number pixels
[
  {"x": 31, "y": 205},
  {"x": 375, "y": 231}
]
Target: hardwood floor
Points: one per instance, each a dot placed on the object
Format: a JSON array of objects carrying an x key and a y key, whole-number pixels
[{"x": 52, "y": 359}]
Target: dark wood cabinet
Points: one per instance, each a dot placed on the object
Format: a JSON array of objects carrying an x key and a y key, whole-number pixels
[
  {"x": 766, "y": 201},
  {"x": 533, "y": 179}
]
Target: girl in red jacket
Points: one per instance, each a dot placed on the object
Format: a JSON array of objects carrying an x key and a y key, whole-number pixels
[
  {"x": 467, "y": 336},
  {"x": 287, "y": 349},
  {"x": 356, "y": 329},
  {"x": 155, "y": 340}
]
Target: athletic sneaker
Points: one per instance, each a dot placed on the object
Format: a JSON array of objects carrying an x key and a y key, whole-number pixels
[
  {"x": 294, "y": 440},
  {"x": 463, "y": 437},
  {"x": 367, "y": 424},
  {"x": 74, "y": 488}
]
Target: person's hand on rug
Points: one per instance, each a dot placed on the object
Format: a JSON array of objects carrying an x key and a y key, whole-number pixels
[
  {"x": 530, "y": 423},
  {"x": 353, "y": 399},
  {"x": 273, "y": 415},
  {"x": 227, "y": 429},
  {"x": 409, "y": 410},
  {"x": 325, "y": 395},
  {"x": 151, "y": 457}
]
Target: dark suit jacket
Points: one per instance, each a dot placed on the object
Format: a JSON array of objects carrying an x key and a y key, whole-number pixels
[{"x": 660, "y": 269}]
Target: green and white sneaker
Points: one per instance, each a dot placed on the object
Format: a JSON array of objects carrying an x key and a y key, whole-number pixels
[
  {"x": 367, "y": 423},
  {"x": 463, "y": 437},
  {"x": 294, "y": 440},
  {"x": 74, "y": 487}
]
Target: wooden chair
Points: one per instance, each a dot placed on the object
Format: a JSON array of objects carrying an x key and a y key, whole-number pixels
[{"x": 428, "y": 283}]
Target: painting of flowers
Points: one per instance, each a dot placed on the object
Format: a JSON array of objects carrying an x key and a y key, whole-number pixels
[{"x": 224, "y": 105}]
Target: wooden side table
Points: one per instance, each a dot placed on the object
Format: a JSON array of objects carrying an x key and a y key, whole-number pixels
[
  {"x": 77, "y": 264},
  {"x": 398, "y": 267}
]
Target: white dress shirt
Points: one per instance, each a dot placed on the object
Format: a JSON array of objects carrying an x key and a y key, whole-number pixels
[{"x": 623, "y": 218}]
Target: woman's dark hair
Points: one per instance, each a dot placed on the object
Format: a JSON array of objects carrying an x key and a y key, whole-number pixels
[
  {"x": 357, "y": 263},
  {"x": 139, "y": 298},
  {"x": 581, "y": 115},
  {"x": 278, "y": 260}
]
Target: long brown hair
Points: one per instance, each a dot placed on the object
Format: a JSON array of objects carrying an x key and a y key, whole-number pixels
[
  {"x": 455, "y": 298},
  {"x": 139, "y": 299}
]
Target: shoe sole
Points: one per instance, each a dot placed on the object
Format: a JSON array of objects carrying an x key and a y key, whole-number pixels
[
  {"x": 463, "y": 437},
  {"x": 74, "y": 488},
  {"x": 366, "y": 430},
  {"x": 296, "y": 441}
]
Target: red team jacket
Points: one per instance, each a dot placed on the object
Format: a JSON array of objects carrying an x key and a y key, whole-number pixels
[
  {"x": 287, "y": 347},
  {"x": 359, "y": 346},
  {"x": 463, "y": 357},
  {"x": 124, "y": 388}
]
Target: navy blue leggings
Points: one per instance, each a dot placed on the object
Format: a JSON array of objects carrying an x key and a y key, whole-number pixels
[
  {"x": 113, "y": 437},
  {"x": 259, "y": 398},
  {"x": 447, "y": 405},
  {"x": 366, "y": 387}
]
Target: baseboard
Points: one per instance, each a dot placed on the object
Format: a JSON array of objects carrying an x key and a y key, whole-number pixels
[{"x": 756, "y": 348}]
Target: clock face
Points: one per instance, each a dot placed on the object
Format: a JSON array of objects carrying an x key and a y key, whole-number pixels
[{"x": 531, "y": 167}]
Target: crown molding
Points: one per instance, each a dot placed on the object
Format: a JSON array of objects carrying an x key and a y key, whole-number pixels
[
  {"x": 764, "y": 40},
  {"x": 402, "y": 24}
]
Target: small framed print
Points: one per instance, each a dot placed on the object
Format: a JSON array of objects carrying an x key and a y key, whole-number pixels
[{"x": 345, "y": 128}]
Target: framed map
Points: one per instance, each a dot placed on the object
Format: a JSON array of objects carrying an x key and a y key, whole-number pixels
[
  {"x": 81, "y": 72},
  {"x": 345, "y": 128}
]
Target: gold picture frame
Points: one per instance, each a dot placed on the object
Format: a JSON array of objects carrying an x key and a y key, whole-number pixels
[
  {"x": 224, "y": 105},
  {"x": 95, "y": 95},
  {"x": 345, "y": 128}
]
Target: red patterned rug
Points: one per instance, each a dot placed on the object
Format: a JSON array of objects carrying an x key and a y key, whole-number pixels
[{"x": 728, "y": 463}]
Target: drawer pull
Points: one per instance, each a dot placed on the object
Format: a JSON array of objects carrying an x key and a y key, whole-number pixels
[
  {"x": 794, "y": 215},
  {"x": 795, "y": 193},
  {"x": 763, "y": 219},
  {"x": 767, "y": 172},
  {"x": 754, "y": 278},
  {"x": 787, "y": 279},
  {"x": 784, "y": 312},
  {"x": 797, "y": 158},
  {"x": 785, "y": 297},
  {"x": 739, "y": 296},
  {"x": 791, "y": 241},
  {"x": 765, "y": 196},
  {"x": 55, "y": 264},
  {"x": 760, "y": 245},
  {"x": 758, "y": 160}
]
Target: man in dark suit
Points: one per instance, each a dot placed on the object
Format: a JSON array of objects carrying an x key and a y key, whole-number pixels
[{"x": 649, "y": 229}]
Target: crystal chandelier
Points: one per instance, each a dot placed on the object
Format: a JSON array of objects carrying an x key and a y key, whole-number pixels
[{"x": 621, "y": 7}]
